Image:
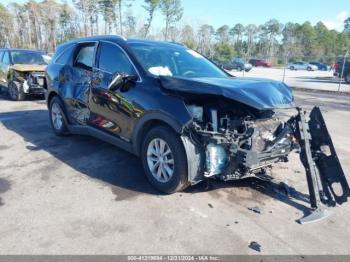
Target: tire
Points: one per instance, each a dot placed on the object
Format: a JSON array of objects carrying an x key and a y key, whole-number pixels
[
  {"x": 347, "y": 78},
  {"x": 309, "y": 69},
  {"x": 161, "y": 178},
  {"x": 16, "y": 92},
  {"x": 292, "y": 68},
  {"x": 57, "y": 117},
  {"x": 240, "y": 69}
]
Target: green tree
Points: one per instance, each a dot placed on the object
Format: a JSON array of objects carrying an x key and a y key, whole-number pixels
[
  {"x": 172, "y": 11},
  {"x": 151, "y": 7},
  {"x": 205, "y": 35},
  {"x": 6, "y": 25},
  {"x": 222, "y": 34},
  {"x": 347, "y": 25},
  {"x": 224, "y": 52}
]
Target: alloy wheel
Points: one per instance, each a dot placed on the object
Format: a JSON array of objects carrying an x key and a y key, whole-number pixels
[
  {"x": 56, "y": 116},
  {"x": 160, "y": 160}
]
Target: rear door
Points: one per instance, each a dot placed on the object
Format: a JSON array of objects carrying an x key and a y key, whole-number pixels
[{"x": 76, "y": 94}]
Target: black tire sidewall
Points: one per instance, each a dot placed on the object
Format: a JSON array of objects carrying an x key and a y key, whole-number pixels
[
  {"x": 20, "y": 94},
  {"x": 179, "y": 181},
  {"x": 63, "y": 131}
]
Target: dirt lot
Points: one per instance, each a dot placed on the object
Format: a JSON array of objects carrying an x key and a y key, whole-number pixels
[
  {"x": 302, "y": 79},
  {"x": 77, "y": 195}
]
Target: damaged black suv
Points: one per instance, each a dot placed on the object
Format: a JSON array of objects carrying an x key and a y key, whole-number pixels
[{"x": 186, "y": 118}]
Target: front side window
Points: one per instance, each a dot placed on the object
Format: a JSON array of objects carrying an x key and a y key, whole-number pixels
[
  {"x": 85, "y": 57},
  {"x": 1, "y": 54},
  {"x": 27, "y": 58},
  {"x": 114, "y": 60},
  {"x": 164, "y": 60}
]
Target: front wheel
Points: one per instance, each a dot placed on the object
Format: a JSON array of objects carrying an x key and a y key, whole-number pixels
[
  {"x": 292, "y": 68},
  {"x": 309, "y": 69},
  {"x": 16, "y": 92},
  {"x": 164, "y": 160}
]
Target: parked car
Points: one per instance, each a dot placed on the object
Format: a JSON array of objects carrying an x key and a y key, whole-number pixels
[
  {"x": 187, "y": 119},
  {"x": 338, "y": 70},
  {"x": 22, "y": 73},
  {"x": 260, "y": 63},
  {"x": 321, "y": 66},
  {"x": 238, "y": 64},
  {"x": 302, "y": 66}
]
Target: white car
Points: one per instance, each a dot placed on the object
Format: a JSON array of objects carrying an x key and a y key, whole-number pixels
[{"x": 302, "y": 66}]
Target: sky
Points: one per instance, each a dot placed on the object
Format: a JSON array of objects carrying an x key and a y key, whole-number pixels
[{"x": 220, "y": 12}]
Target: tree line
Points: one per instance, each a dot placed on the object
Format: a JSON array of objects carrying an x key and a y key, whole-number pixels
[{"x": 44, "y": 25}]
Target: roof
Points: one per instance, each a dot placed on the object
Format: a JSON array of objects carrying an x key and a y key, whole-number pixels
[
  {"x": 120, "y": 38},
  {"x": 154, "y": 42}
]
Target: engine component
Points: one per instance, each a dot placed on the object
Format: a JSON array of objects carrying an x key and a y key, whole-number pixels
[
  {"x": 196, "y": 112},
  {"x": 214, "y": 119},
  {"x": 216, "y": 160}
]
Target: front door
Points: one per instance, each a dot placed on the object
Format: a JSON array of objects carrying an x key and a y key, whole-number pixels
[{"x": 113, "y": 111}]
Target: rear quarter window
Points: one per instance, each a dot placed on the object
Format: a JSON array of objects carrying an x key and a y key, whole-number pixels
[{"x": 65, "y": 57}]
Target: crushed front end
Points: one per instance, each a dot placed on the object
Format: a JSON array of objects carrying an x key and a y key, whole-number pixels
[
  {"x": 233, "y": 141},
  {"x": 30, "y": 79}
]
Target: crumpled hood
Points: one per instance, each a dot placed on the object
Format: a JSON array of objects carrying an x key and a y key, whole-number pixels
[
  {"x": 261, "y": 94},
  {"x": 29, "y": 68}
]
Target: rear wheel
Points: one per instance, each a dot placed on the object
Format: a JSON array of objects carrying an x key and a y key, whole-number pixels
[
  {"x": 240, "y": 69},
  {"x": 57, "y": 117},
  {"x": 16, "y": 92},
  {"x": 309, "y": 69},
  {"x": 292, "y": 68},
  {"x": 164, "y": 160}
]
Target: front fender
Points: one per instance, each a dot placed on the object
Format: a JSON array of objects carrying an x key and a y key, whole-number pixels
[{"x": 146, "y": 120}]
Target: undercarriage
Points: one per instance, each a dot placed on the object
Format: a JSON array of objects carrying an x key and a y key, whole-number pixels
[{"x": 232, "y": 142}]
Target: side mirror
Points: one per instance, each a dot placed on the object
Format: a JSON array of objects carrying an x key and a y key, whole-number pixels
[{"x": 119, "y": 81}]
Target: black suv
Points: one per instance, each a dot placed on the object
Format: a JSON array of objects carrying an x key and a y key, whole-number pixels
[{"x": 182, "y": 115}]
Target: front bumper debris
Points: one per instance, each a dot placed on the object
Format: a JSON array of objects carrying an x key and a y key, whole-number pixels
[{"x": 325, "y": 177}]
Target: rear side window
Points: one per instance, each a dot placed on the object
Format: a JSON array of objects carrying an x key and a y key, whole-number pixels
[
  {"x": 1, "y": 54},
  {"x": 66, "y": 56},
  {"x": 114, "y": 60},
  {"x": 85, "y": 56}
]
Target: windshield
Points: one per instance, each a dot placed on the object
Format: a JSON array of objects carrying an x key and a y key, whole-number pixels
[
  {"x": 28, "y": 58},
  {"x": 175, "y": 61}
]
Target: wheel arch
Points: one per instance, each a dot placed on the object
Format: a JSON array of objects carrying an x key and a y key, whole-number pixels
[{"x": 150, "y": 121}]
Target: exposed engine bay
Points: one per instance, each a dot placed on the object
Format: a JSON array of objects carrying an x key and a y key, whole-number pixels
[{"x": 237, "y": 141}]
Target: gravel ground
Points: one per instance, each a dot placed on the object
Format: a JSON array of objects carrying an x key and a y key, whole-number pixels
[{"x": 77, "y": 195}]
